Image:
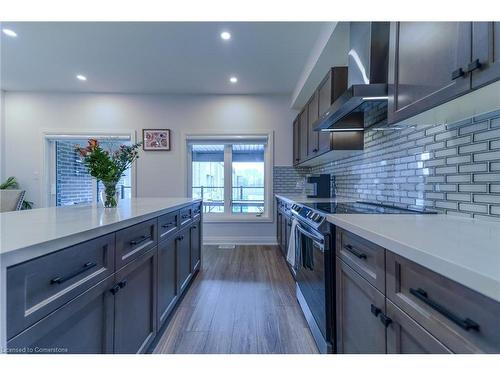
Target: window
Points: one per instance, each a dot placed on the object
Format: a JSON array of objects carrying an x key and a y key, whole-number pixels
[
  {"x": 70, "y": 181},
  {"x": 248, "y": 179},
  {"x": 208, "y": 176},
  {"x": 229, "y": 175}
]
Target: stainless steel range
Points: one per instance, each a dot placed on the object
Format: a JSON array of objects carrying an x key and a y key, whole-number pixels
[{"x": 314, "y": 263}]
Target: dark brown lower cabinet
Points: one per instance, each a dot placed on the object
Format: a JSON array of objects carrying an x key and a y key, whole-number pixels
[
  {"x": 167, "y": 282},
  {"x": 183, "y": 257},
  {"x": 360, "y": 309},
  {"x": 135, "y": 304},
  {"x": 405, "y": 336},
  {"x": 195, "y": 238},
  {"x": 82, "y": 326}
]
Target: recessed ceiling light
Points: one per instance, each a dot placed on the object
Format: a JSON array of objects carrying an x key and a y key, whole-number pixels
[
  {"x": 9, "y": 32},
  {"x": 81, "y": 77},
  {"x": 225, "y": 35},
  {"x": 233, "y": 79}
]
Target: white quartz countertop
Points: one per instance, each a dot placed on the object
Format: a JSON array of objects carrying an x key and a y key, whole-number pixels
[
  {"x": 292, "y": 198},
  {"x": 28, "y": 234},
  {"x": 464, "y": 250}
]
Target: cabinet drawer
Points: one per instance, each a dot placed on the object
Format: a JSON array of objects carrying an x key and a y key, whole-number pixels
[
  {"x": 38, "y": 287},
  {"x": 365, "y": 257},
  {"x": 196, "y": 213},
  {"x": 185, "y": 216},
  {"x": 405, "y": 336},
  {"x": 168, "y": 224},
  {"x": 133, "y": 241},
  {"x": 463, "y": 320},
  {"x": 82, "y": 326}
]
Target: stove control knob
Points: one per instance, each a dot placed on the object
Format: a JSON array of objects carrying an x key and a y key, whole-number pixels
[{"x": 317, "y": 218}]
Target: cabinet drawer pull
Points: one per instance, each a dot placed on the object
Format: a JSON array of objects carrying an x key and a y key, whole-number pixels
[
  {"x": 315, "y": 150},
  {"x": 140, "y": 240},
  {"x": 85, "y": 267},
  {"x": 354, "y": 252},
  {"x": 122, "y": 284},
  {"x": 114, "y": 289},
  {"x": 194, "y": 227},
  {"x": 180, "y": 238},
  {"x": 457, "y": 74},
  {"x": 385, "y": 320},
  {"x": 466, "y": 323},
  {"x": 476, "y": 64},
  {"x": 167, "y": 225},
  {"x": 375, "y": 310}
]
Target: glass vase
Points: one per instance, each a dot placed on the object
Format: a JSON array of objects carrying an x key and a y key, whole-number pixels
[{"x": 109, "y": 196}]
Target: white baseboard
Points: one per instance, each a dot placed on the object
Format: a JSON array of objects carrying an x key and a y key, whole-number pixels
[{"x": 240, "y": 240}]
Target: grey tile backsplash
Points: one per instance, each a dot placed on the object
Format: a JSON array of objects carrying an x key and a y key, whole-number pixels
[{"x": 454, "y": 168}]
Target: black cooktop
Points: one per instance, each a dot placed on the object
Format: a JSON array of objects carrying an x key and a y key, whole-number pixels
[{"x": 363, "y": 208}]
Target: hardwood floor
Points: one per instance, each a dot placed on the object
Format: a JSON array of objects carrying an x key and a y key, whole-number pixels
[{"x": 242, "y": 301}]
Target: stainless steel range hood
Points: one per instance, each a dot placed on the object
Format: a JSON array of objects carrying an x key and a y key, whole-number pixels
[{"x": 366, "y": 82}]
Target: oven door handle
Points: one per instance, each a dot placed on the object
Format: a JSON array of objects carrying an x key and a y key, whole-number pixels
[{"x": 318, "y": 240}]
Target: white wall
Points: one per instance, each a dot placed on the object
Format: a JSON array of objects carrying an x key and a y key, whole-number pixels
[{"x": 28, "y": 115}]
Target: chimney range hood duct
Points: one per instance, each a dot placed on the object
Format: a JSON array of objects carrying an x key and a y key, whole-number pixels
[{"x": 366, "y": 81}]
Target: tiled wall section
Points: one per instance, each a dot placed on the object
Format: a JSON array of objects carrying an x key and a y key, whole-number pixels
[
  {"x": 289, "y": 180},
  {"x": 454, "y": 167}
]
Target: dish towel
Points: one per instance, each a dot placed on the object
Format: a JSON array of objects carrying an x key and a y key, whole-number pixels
[{"x": 290, "y": 254}]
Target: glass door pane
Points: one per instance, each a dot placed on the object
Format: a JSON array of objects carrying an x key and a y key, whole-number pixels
[
  {"x": 208, "y": 176},
  {"x": 248, "y": 178},
  {"x": 74, "y": 185}
]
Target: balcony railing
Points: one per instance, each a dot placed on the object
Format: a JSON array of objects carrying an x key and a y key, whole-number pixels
[{"x": 245, "y": 199}]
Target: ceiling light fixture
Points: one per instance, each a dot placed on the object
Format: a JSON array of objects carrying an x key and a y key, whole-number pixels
[
  {"x": 9, "y": 32},
  {"x": 81, "y": 77},
  {"x": 225, "y": 35},
  {"x": 233, "y": 79}
]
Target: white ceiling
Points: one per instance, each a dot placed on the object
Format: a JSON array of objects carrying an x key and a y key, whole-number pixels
[{"x": 165, "y": 57}]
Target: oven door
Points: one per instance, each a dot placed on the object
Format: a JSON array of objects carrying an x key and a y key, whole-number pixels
[{"x": 312, "y": 248}]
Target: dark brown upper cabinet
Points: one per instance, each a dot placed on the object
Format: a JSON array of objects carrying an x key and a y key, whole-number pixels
[
  {"x": 308, "y": 143},
  {"x": 485, "y": 64},
  {"x": 331, "y": 87},
  {"x": 303, "y": 135},
  {"x": 312, "y": 116},
  {"x": 428, "y": 63},
  {"x": 296, "y": 141}
]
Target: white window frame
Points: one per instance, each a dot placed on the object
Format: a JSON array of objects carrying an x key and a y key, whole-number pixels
[
  {"x": 49, "y": 157},
  {"x": 228, "y": 216}
]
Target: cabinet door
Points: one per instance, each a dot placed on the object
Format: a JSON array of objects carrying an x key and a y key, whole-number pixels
[
  {"x": 333, "y": 85},
  {"x": 195, "y": 233},
  {"x": 325, "y": 98},
  {"x": 405, "y": 336},
  {"x": 135, "y": 304},
  {"x": 485, "y": 65},
  {"x": 296, "y": 141},
  {"x": 427, "y": 63},
  {"x": 303, "y": 135},
  {"x": 360, "y": 308},
  {"x": 167, "y": 287},
  {"x": 183, "y": 256},
  {"x": 84, "y": 325},
  {"x": 312, "y": 116},
  {"x": 279, "y": 217}
]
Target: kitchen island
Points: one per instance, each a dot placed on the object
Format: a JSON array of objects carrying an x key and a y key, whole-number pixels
[{"x": 85, "y": 279}]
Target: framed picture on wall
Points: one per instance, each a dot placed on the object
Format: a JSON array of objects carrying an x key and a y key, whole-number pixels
[{"x": 156, "y": 139}]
